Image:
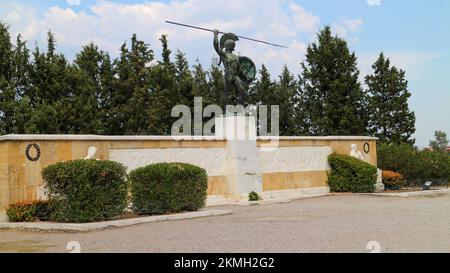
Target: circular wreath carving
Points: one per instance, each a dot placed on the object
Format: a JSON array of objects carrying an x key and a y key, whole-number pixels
[
  {"x": 366, "y": 148},
  {"x": 38, "y": 152}
]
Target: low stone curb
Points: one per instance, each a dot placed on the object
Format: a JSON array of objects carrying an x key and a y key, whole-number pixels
[
  {"x": 432, "y": 193},
  {"x": 46, "y": 226},
  {"x": 263, "y": 202},
  {"x": 249, "y": 203}
]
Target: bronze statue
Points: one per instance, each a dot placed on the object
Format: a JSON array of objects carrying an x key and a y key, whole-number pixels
[
  {"x": 239, "y": 71},
  {"x": 233, "y": 68}
]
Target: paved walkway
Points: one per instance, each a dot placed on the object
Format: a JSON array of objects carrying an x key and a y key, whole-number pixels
[{"x": 344, "y": 223}]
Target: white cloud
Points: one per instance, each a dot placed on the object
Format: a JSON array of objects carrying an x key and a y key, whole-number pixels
[
  {"x": 109, "y": 24},
  {"x": 73, "y": 2},
  {"x": 374, "y": 2},
  {"x": 414, "y": 63},
  {"x": 303, "y": 20},
  {"x": 345, "y": 27}
]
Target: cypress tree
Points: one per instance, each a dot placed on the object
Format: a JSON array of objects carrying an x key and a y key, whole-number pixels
[
  {"x": 183, "y": 76},
  {"x": 216, "y": 83},
  {"x": 333, "y": 100},
  {"x": 390, "y": 117},
  {"x": 285, "y": 92},
  {"x": 51, "y": 94},
  {"x": 6, "y": 90}
]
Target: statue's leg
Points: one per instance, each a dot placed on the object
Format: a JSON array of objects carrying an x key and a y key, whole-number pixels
[
  {"x": 226, "y": 90},
  {"x": 241, "y": 91}
]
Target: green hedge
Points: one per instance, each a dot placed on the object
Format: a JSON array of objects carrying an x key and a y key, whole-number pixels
[
  {"x": 349, "y": 174},
  {"x": 413, "y": 164},
  {"x": 168, "y": 188},
  {"x": 29, "y": 211},
  {"x": 86, "y": 190},
  {"x": 401, "y": 158}
]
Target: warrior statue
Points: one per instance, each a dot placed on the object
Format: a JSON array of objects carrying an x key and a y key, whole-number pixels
[
  {"x": 233, "y": 68},
  {"x": 239, "y": 71}
]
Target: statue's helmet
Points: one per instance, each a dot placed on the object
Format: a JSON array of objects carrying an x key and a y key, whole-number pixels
[{"x": 229, "y": 45}]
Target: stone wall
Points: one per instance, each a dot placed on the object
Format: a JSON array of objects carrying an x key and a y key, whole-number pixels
[{"x": 284, "y": 167}]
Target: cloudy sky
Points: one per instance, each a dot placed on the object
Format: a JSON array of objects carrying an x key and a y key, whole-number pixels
[{"x": 414, "y": 34}]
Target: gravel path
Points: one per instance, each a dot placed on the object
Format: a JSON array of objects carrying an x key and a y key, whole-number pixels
[{"x": 343, "y": 223}]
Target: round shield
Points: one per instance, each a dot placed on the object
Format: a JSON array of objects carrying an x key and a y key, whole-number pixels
[
  {"x": 248, "y": 69},
  {"x": 226, "y": 37}
]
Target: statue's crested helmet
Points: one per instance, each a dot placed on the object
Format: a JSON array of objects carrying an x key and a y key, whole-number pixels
[{"x": 229, "y": 44}]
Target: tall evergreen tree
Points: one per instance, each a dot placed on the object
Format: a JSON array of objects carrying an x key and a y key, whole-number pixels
[
  {"x": 165, "y": 93},
  {"x": 50, "y": 94},
  {"x": 21, "y": 84},
  {"x": 216, "y": 82},
  {"x": 391, "y": 120},
  {"x": 130, "y": 100},
  {"x": 263, "y": 89},
  {"x": 137, "y": 108},
  {"x": 333, "y": 100},
  {"x": 285, "y": 92},
  {"x": 184, "y": 79},
  {"x": 263, "y": 92},
  {"x": 97, "y": 68},
  {"x": 166, "y": 52},
  {"x": 6, "y": 90},
  {"x": 201, "y": 87}
]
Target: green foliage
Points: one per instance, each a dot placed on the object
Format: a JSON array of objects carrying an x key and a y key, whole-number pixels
[
  {"x": 390, "y": 118},
  {"x": 401, "y": 158},
  {"x": 14, "y": 82},
  {"x": 440, "y": 142},
  {"x": 29, "y": 211},
  {"x": 168, "y": 188},
  {"x": 265, "y": 91},
  {"x": 86, "y": 190},
  {"x": 435, "y": 165},
  {"x": 253, "y": 196},
  {"x": 134, "y": 94},
  {"x": 413, "y": 164},
  {"x": 332, "y": 100},
  {"x": 349, "y": 174}
]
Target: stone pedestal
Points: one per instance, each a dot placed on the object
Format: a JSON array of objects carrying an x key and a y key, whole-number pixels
[
  {"x": 243, "y": 175},
  {"x": 237, "y": 127},
  {"x": 379, "y": 186}
]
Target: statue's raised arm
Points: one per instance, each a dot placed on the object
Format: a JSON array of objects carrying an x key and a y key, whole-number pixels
[
  {"x": 216, "y": 42},
  {"x": 240, "y": 71}
]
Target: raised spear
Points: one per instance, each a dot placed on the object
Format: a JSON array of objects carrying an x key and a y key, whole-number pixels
[{"x": 210, "y": 30}]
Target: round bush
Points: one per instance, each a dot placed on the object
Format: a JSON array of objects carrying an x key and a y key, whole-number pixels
[
  {"x": 28, "y": 211},
  {"x": 349, "y": 174},
  {"x": 168, "y": 188},
  {"x": 86, "y": 190},
  {"x": 393, "y": 180}
]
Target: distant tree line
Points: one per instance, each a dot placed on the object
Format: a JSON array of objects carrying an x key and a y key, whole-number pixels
[{"x": 42, "y": 92}]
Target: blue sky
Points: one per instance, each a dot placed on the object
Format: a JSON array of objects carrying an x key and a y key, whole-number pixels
[{"x": 414, "y": 34}]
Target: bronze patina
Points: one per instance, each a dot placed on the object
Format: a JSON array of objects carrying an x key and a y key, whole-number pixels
[{"x": 240, "y": 71}]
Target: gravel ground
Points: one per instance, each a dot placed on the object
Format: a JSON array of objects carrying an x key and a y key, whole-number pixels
[{"x": 342, "y": 223}]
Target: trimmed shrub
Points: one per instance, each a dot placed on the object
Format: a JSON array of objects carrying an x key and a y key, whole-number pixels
[
  {"x": 168, "y": 188},
  {"x": 393, "y": 180},
  {"x": 349, "y": 174},
  {"x": 83, "y": 191},
  {"x": 29, "y": 211},
  {"x": 253, "y": 196}
]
